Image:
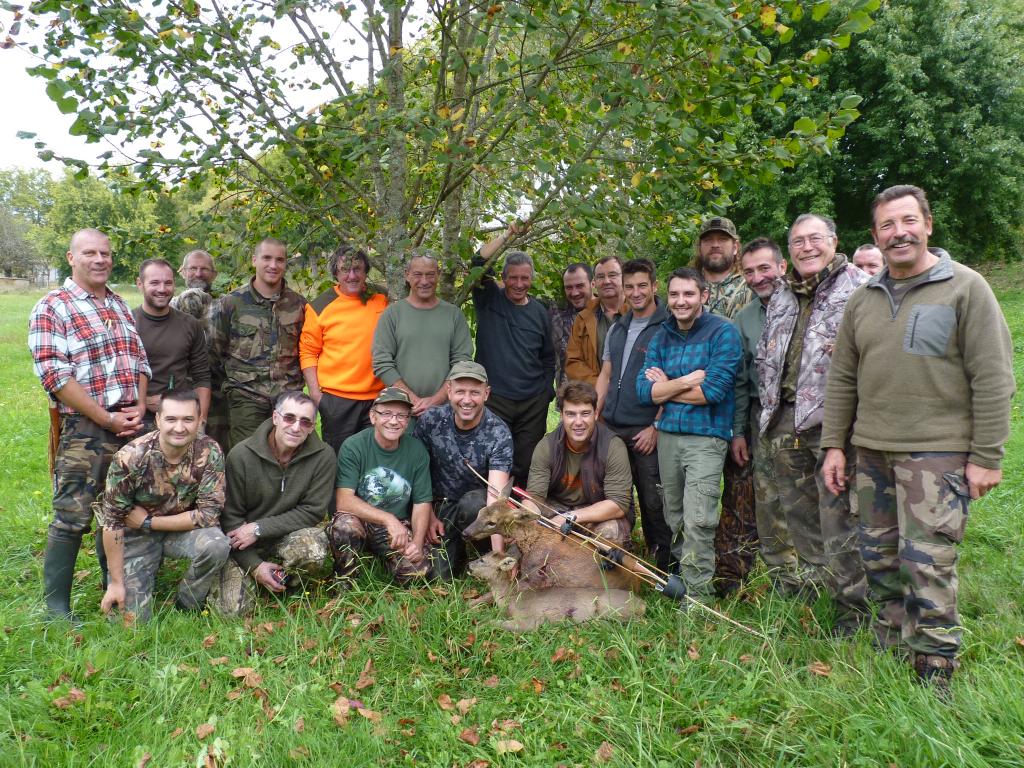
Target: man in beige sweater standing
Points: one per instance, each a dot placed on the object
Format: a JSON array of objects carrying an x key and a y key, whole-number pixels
[{"x": 922, "y": 373}]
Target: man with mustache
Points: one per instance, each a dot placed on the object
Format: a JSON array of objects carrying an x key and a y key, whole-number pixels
[
  {"x": 929, "y": 438},
  {"x": 175, "y": 343},
  {"x": 762, "y": 266},
  {"x": 793, "y": 358}
]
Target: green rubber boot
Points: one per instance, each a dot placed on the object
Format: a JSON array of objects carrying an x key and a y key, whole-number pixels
[{"x": 59, "y": 572}]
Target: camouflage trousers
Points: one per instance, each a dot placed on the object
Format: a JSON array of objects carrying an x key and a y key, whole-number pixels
[
  {"x": 450, "y": 558},
  {"x": 245, "y": 414},
  {"x": 913, "y": 509},
  {"x": 83, "y": 457},
  {"x": 822, "y": 527},
  {"x": 206, "y": 549},
  {"x": 349, "y": 536},
  {"x": 304, "y": 554},
  {"x": 776, "y": 546},
  {"x": 736, "y": 537},
  {"x": 691, "y": 475}
]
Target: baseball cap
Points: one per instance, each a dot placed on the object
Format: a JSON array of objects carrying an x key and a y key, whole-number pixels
[
  {"x": 392, "y": 395},
  {"x": 467, "y": 369},
  {"x": 718, "y": 224}
]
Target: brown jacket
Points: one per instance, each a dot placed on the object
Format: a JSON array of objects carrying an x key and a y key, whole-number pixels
[{"x": 582, "y": 357}]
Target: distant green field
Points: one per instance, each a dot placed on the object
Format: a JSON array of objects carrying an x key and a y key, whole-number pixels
[{"x": 440, "y": 685}]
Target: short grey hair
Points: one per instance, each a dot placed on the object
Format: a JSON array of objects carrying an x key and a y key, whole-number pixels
[
  {"x": 830, "y": 225},
  {"x": 197, "y": 252},
  {"x": 422, "y": 253},
  {"x": 517, "y": 259}
]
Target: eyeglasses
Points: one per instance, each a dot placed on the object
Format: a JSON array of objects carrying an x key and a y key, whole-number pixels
[
  {"x": 291, "y": 418},
  {"x": 389, "y": 415},
  {"x": 812, "y": 240}
]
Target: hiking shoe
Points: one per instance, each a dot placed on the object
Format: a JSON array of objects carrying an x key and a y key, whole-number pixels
[{"x": 936, "y": 672}]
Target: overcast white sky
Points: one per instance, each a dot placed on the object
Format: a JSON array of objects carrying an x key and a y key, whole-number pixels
[{"x": 29, "y": 109}]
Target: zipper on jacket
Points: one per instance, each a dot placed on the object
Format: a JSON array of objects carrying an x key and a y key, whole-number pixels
[{"x": 913, "y": 331}]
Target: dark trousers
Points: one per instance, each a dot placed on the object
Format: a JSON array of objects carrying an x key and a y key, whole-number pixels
[
  {"x": 647, "y": 480},
  {"x": 528, "y": 421},
  {"x": 340, "y": 418},
  {"x": 457, "y": 515},
  {"x": 246, "y": 415}
]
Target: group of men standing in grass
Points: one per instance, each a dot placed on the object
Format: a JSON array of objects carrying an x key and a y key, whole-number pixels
[{"x": 852, "y": 416}]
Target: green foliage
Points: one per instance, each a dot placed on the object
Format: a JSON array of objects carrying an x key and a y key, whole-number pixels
[
  {"x": 943, "y": 108},
  {"x": 595, "y": 122},
  {"x": 18, "y": 256}
]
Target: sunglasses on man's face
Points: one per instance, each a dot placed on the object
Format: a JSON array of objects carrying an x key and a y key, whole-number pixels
[{"x": 291, "y": 418}]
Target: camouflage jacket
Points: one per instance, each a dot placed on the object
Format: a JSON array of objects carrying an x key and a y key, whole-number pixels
[
  {"x": 819, "y": 340},
  {"x": 728, "y": 297},
  {"x": 562, "y": 319},
  {"x": 255, "y": 341},
  {"x": 140, "y": 476}
]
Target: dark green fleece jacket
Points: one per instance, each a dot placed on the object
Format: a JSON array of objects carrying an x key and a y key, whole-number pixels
[
  {"x": 282, "y": 499},
  {"x": 932, "y": 374}
]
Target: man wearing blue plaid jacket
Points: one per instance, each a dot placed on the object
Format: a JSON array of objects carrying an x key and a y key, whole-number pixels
[{"x": 691, "y": 367}]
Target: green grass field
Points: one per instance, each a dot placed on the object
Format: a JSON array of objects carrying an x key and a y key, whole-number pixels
[{"x": 439, "y": 685}]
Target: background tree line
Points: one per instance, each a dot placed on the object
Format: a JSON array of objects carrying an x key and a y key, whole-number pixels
[{"x": 608, "y": 126}]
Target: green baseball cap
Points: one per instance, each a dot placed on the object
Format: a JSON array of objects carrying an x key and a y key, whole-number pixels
[{"x": 467, "y": 369}]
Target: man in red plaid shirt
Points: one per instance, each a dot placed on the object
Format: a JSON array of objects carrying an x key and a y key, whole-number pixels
[{"x": 92, "y": 365}]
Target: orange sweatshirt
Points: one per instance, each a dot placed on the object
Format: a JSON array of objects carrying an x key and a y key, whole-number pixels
[{"x": 336, "y": 339}]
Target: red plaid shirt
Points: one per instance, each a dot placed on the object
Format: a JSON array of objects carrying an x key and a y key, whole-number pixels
[{"x": 73, "y": 336}]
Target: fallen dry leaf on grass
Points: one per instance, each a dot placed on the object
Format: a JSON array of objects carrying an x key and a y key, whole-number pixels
[
  {"x": 693, "y": 653},
  {"x": 90, "y": 670},
  {"x": 209, "y": 640},
  {"x": 507, "y": 745},
  {"x": 369, "y": 714},
  {"x": 455, "y": 719},
  {"x": 504, "y": 726},
  {"x": 746, "y": 658},
  {"x": 563, "y": 654},
  {"x": 74, "y": 697},
  {"x": 177, "y": 732},
  {"x": 444, "y": 701},
  {"x": 340, "y": 710},
  {"x": 219, "y": 660},
  {"x": 1020, "y": 641},
  {"x": 492, "y": 681},
  {"x": 300, "y": 725},
  {"x": 365, "y": 677},
  {"x": 538, "y": 686},
  {"x": 234, "y": 694},
  {"x": 470, "y": 736},
  {"x": 250, "y": 677},
  {"x": 298, "y": 753},
  {"x": 819, "y": 668},
  {"x": 478, "y": 764},
  {"x": 688, "y": 730},
  {"x": 204, "y": 730},
  {"x": 604, "y": 753},
  {"x": 144, "y": 761},
  {"x": 465, "y": 705}
]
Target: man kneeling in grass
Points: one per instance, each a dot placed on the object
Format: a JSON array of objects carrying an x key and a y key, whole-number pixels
[
  {"x": 279, "y": 484},
  {"x": 163, "y": 497},
  {"x": 384, "y": 494}
]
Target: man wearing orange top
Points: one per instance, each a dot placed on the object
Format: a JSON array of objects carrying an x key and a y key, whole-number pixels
[{"x": 335, "y": 348}]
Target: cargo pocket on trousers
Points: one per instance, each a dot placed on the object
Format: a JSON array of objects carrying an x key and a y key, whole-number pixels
[
  {"x": 954, "y": 501},
  {"x": 709, "y": 493}
]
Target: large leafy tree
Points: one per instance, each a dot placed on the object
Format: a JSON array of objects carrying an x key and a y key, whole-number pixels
[
  {"x": 943, "y": 108},
  {"x": 591, "y": 120}
]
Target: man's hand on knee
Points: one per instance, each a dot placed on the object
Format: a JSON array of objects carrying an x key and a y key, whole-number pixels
[{"x": 398, "y": 534}]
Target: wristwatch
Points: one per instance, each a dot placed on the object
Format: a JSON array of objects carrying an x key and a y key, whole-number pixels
[
  {"x": 147, "y": 524},
  {"x": 256, "y": 530}
]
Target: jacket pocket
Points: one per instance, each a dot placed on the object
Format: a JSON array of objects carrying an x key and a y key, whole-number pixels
[{"x": 929, "y": 327}]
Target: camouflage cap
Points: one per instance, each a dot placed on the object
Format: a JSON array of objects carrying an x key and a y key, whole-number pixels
[
  {"x": 718, "y": 224},
  {"x": 467, "y": 369},
  {"x": 393, "y": 395}
]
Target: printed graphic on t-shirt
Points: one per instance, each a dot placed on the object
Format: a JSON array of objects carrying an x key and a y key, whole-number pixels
[{"x": 384, "y": 488}]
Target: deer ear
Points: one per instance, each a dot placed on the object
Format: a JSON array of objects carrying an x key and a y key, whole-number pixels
[
  {"x": 506, "y": 491},
  {"x": 507, "y": 564}
]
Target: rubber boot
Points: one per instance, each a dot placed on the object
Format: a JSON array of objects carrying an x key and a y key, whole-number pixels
[{"x": 59, "y": 572}]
